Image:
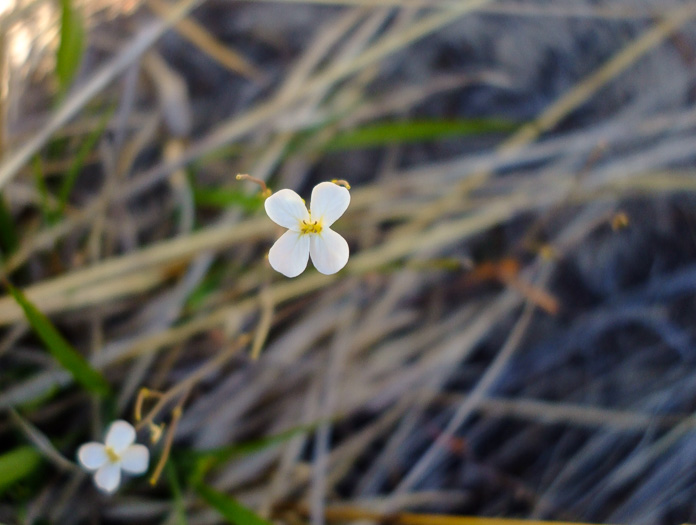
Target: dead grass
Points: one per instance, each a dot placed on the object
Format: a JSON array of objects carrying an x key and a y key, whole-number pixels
[{"x": 511, "y": 336}]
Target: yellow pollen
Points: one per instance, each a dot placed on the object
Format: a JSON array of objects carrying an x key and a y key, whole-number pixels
[
  {"x": 310, "y": 226},
  {"x": 113, "y": 457}
]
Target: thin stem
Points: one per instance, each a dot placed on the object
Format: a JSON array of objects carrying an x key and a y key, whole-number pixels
[
  {"x": 176, "y": 416},
  {"x": 193, "y": 378}
]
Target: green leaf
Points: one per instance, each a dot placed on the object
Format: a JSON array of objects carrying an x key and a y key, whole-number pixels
[
  {"x": 226, "y": 198},
  {"x": 61, "y": 350},
  {"x": 72, "y": 43},
  {"x": 197, "y": 463},
  {"x": 39, "y": 399},
  {"x": 80, "y": 158},
  {"x": 208, "y": 286},
  {"x": 17, "y": 464},
  {"x": 47, "y": 210},
  {"x": 206, "y": 459},
  {"x": 221, "y": 154},
  {"x": 177, "y": 496},
  {"x": 9, "y": 240},
  {"x": 409, "y": 131},
  {"x": 229, "y": 508}
]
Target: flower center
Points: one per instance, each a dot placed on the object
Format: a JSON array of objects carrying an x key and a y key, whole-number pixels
[
  {"x": 310, "y": 226},
  {"x": 111, "y": 454}
]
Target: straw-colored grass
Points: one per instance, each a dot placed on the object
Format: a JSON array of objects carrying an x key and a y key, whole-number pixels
[{"x": 392, "y": 368}]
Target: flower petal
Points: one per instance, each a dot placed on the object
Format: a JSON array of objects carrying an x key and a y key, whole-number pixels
[
  {"x": 290, "y": 253},
  {"x": 286, "y": 208},
  {"x": 329, "y": 251},
  {"x": 329, "y": 202},
  {"x": 120, "y": 436},
  {"x": 92, "y": 455},
  {"x": 135, "y": 459},
  {"x": 108, "y": 477}
]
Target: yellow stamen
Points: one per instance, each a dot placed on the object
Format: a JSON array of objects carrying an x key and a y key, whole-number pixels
[
  {"x": 111, "y": 454},
  {"x": 265, "y": 191},
  {"x": 155, "y": 432},
  {"x": 620, "y": 221},
  {"x": 310, "y": 226}
]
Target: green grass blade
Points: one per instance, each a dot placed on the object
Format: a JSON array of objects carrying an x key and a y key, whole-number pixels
[
  {"x": 17, "y": 464},
  {"x": 199, "y": 462},
  {"x": 207, "y": 287},
  {"x": 61, "y": 350},
  {"x": 221, "y": 154},
  {"x": 9, "y": 240},
  {"x": 233, "y": 511},
  {"x": 47, "y": 211},
  {"x": 177, "y": 495},
  {"x": 226, "y": 198},
  {"x": 80, "y": 158},
  {"x": 410, "y": 131},
  {"x": 72, "y": 44},
  {"x": 220, "y": 455}
]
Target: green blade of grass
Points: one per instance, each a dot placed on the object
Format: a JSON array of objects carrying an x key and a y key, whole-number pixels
[
  {"x": 221, "y": 154},
  {"x": 47, "y": 211},
  {"x": 177, "y": 495},
  {"x": 209, "y": 285},
  {"x": 17, "y": 464},
  {"x": 72, "y": 42},
  {"x": 80, "y": 158},
  {"x": 233, "y": 511},
  {"x": 9, "y": 240},
  {"x": 197, "y": 463},
  {"x": 226, "y": 198},
  {"x": 409, "y": 131},
  {"x": 61, "y": 350},
  {"x": 221, "y": 455}
]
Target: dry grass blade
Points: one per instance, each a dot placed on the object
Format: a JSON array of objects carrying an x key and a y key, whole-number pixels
[
  {"x": 42, "y": 443},
  {"x": 209, "y": 44},
  {"x": 76, "y": 102},
  {"x": 522, "y": 242},
  {"x": 671, "y": 22},
  {"x": 350, "y": 513},
  {"x": 243, "y": 124}
]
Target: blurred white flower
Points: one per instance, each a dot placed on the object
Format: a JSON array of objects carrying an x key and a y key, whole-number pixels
[
  {"x": 119, "y": 452},
  {"x": 309, "y": 232}
]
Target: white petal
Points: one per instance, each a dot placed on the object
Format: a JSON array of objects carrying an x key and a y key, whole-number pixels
[
  {"x": 120, "y": 436},
  {"x": 329, "y": 251},
  {"x": 108, "y": 477},
  {"x": 329, "y": 202},
  {"x": 135, "y": 459},
  {"x": 290, "y": 253},
  {"x": 92, "y": 455},
  {"x": 286, "y": 208}
]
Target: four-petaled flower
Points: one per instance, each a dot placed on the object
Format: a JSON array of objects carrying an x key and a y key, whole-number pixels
[
  {"x": 309, "y": 232},
  {"x": 119, "y": 452}
]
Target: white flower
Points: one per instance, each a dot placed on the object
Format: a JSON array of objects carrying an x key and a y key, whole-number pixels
[
  {"x": 309, "y": 232},
  {"x": 119, "y": 452}
]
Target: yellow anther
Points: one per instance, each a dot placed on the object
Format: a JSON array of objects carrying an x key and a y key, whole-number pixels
[
  {"x": 111, "y": 454},
  {"x": 144, "y": 392},
  {"x": 548, "y": 252},
  {"x": 265, "y": 192},
  {"x": 341, "y": 182},
  {"x": 310, "y": 226},
  {"x": 620, "y": 221},
  {"x": 155, "y": 432}
]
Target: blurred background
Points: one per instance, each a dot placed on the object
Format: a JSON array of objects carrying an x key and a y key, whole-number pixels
[{"x": 512, "y": 336}]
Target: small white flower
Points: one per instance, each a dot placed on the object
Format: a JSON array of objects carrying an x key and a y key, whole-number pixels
[
  {"x": 309, "y": 232},
  {"x": 119, "y": 452}
]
